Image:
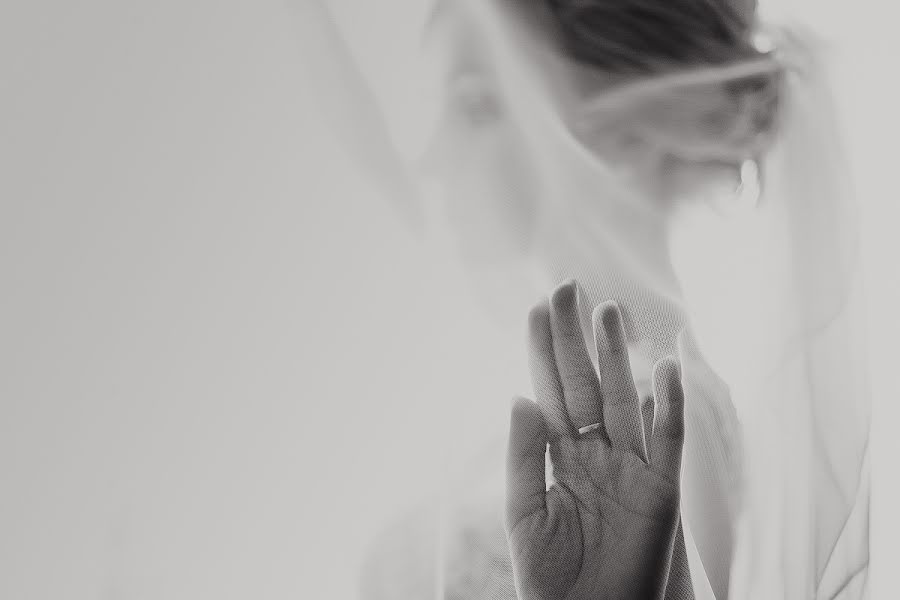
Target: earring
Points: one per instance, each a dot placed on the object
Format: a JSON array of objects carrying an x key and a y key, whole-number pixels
[{"x": 748, "y": 193}]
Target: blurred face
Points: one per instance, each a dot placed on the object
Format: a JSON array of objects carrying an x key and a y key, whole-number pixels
[
  {"x": 530, "y": 188},
  {"x": 477, "y": 162},
  {"x": 499, "y": 166},
  {"x": 512, "y": 194}
]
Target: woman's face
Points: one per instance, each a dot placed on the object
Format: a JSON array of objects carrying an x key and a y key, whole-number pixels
[
  {"x": 493, "y": 169},
  {"x": 477, "y": 164},
  {"x": 513, "y": 194},
  {"x": 498, "y": 164}
]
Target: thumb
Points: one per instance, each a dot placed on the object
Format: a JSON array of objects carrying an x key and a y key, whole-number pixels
[{"x": 525, "y": 464}]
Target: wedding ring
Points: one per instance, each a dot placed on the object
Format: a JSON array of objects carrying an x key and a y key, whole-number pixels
[{"x": 588, "y": 428}]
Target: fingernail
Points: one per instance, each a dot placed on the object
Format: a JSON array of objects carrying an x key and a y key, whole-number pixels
[
  {"x": 564, "y": 295},
  {"x": 671, "y": 365},
  {"x": 612, "y": 326}
]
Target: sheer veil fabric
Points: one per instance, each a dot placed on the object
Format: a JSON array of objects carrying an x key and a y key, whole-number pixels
[
  {"x": 792, "y": 355},
  {"x": 759, "y": 296}
]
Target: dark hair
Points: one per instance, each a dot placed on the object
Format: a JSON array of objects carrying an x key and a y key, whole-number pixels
[{"x": 645, "y": 38}]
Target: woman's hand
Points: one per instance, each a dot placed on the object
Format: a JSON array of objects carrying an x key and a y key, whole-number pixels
[{"x": 606, "y": 527}]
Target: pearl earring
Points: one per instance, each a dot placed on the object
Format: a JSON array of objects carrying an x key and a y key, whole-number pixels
[{"x": 749, "y": 189}]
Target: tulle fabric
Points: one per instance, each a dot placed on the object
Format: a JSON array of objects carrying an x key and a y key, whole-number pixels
[{"x": 762, "y": 304}]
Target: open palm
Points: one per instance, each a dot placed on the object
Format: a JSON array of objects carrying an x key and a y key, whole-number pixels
[{"x": 606, "y": 527}]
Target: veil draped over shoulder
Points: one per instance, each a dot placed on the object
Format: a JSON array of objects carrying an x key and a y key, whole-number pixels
[
  {"x": 766, "y": 287},
  {"x": 793, "y": 353}
]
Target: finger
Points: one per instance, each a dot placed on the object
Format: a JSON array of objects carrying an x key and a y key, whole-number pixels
[
  {"x": 544, "y": 374},
  {"x": 648, "y": 413},
  {"x": 525, "y": 464},
  {"x": 621, "y": 405},
  {"x": 581, "y": 390},
  {"x": 668, "y": 430}
]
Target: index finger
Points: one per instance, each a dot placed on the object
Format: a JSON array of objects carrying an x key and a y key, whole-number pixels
[{"x": 544, "y": 373}]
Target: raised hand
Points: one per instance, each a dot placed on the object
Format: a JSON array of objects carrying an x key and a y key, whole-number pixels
[{"x": 606, "y": 527}]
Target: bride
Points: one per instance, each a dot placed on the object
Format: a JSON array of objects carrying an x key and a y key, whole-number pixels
[{"x": 679, "y": 159}]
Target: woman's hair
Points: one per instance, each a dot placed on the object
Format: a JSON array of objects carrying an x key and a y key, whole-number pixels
[
  {"x": 647, "y": 36},
  {"x": 640, "y": 39}
]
